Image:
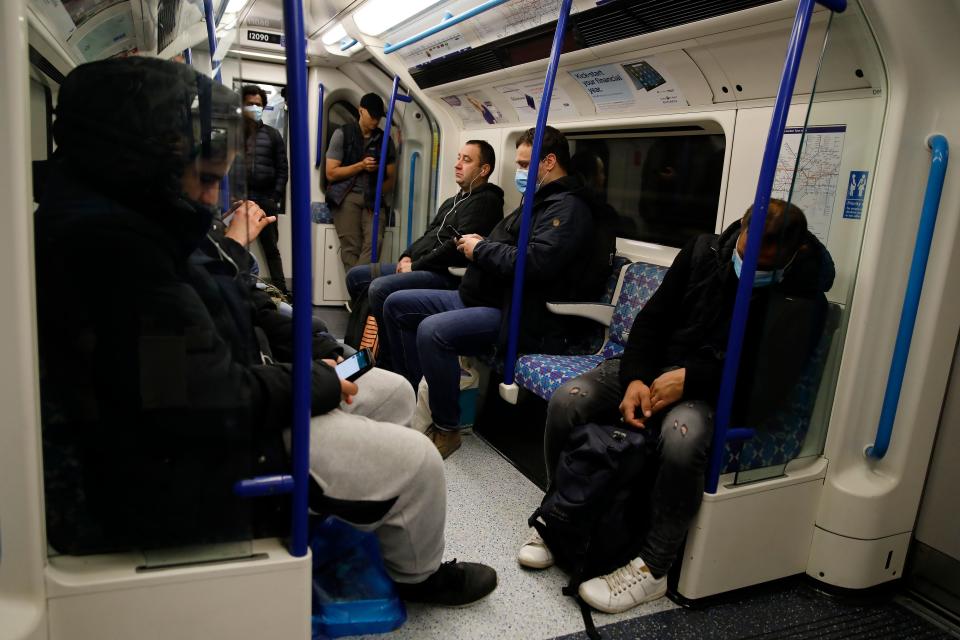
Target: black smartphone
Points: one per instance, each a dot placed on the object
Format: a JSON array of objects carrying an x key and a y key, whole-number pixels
[
  {"x": 356, "y": 365},
  {"x": 456, "y": 234}
]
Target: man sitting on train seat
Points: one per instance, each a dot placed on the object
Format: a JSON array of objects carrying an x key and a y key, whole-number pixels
[
  {"x": 353, "y": 157},
  {"x": 567, "y": 258},
  {"x": 476, "y": 208},
  {"x": 668, "y": 379},
  {"x": 156, "y": 402}
]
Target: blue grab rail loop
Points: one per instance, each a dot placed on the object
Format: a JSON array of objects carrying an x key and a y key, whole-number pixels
[
  {"x": 528, "y": 196},
  {"x": 940, "y": 154},
  {"x": 410, "y": 194},
  {"x": 758, "y": 220},
  {"x": 382, "y": 165},
  {"x": 302, "y": 276},
  {"x": 448, "y": 21},
  {"x": 316, "y": 164}
]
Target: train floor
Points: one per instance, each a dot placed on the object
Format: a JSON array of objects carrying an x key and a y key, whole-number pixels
[{"x": 488, "y": 502}]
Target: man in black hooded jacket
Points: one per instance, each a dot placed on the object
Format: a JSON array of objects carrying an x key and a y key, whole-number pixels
[
  {"x": 567, "y": 259},
  {"x": 156, "y": 402},
  {"x": 668, "y": 379}
]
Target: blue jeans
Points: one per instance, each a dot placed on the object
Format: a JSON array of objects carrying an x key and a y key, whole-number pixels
[
  {"x": 427, "y": 329},
  {"x": 378, "y": 289}
]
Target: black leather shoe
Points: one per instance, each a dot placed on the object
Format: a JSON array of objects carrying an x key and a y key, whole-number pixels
[{"x": 454, "y": 584}]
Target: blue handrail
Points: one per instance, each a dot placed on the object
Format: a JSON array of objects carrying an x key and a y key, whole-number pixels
[
  {"x": 761, "y": 202},
  {"x": 529, "y": 193},
  {"x": 940, "y": 154},
  {"x": 410, "y": 194},
  {"x": 346, "y": 43},
  {"x": 382, "y": 164},
  {"x": 446, "y": 24},
  {"x": 316, "y": 165},
  {"x": 302, "y": 276}
]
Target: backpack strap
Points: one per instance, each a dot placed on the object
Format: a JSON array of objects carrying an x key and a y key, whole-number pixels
[{"x": 572, "y": 590}]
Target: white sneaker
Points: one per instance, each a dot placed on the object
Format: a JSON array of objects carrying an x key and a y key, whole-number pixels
[
  {"x": 534, "y": 553},
  {"x": 625, "y": 588}
]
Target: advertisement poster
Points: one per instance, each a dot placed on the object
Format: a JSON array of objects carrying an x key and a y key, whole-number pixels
[
  {"x": 474, "y": 108},
  {"x": 639, "y": 84},
  {"x": 525, "y": 98},
  {"x": 432, "y": 50},
  {"x": 606, "y": 85}
]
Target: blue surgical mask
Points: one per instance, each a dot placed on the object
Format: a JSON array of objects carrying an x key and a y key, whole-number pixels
[
  {"x": 255, "y": 110},
  {"x": 521, "y": 180},
  {"x": 760, "y": 278}
]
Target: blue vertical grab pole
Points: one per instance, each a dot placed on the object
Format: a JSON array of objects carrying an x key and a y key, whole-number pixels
[
  {"x": 302, "y": 276},
  {"x": 382, "y": 165},
  {"x": 940, "y": 152},
  {"x": 761, "y": 201},
  {"x": 212, "y": 42},
  {"x": 316, "y": 164},
  {"x": 410, "y": 194},
  {"x": 211, "y": 35},
  {"x": 520, "y": 267}
]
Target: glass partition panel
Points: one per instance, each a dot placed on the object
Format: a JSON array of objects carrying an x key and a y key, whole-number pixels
[
  {"x": 152, "y": 400},
  {"x": 828, "y": 153}
]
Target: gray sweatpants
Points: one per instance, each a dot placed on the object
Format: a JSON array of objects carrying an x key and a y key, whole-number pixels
[{"x": 366, "y": 451}]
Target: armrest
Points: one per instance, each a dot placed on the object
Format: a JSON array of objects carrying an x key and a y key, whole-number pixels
[
  {"x": 598, "y": 311},
  {"x": 457, "y": 271}
]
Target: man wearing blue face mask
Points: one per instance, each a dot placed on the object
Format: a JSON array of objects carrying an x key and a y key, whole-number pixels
[
  {"x": 568, "y": 253},
  {"x": 668, "y": 379},
  {"x": 266, "y": 173}
]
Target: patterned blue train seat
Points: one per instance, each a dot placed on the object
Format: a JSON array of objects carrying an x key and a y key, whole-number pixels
[
  {"x": 781, "y": 439},
  {"x": 542, "y": 374}
]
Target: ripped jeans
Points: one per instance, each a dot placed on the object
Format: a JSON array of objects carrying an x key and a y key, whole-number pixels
[{"x": 684, "y": 433}]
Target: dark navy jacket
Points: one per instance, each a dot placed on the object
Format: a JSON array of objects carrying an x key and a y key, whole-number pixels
[{"x": 567, "y": 259}]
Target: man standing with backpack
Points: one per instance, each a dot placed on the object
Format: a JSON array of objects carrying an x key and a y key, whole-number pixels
[
  {"x": 668, "y": 380},
  {"x": 353, "y": 157}
]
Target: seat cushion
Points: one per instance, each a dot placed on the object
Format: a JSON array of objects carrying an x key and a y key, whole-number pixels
[
  {"x": 639, "y": 283},
  {"x": 542, "y": 374}
]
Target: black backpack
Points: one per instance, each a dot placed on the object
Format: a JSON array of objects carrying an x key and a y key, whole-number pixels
[{"x": 596, "y": 512}]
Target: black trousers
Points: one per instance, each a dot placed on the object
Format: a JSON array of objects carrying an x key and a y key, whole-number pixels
[{"x": 268, "y": 239}]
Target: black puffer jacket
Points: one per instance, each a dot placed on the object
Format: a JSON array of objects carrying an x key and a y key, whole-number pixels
[
  {"x": 686, "y": 324},
  {"x": 477, "y": 213},
  {"x": 154, "y": 397},
  {"x": 568, "y": 259},
  {"x": 266, "y": 163}
]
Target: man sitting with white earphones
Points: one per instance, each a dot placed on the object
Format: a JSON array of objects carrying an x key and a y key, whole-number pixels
[
  {"x": 567, "y": 260},
  {"x": 476, "y": 208}
]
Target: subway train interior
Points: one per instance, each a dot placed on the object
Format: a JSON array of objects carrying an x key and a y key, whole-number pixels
[{"x": 830, "y": 519}]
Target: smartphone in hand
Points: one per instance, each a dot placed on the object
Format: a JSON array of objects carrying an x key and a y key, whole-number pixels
[{"x": 356, "y": 365}]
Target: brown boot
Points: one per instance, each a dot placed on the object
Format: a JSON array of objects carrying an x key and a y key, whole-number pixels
[{"x": 446, "y": 442}]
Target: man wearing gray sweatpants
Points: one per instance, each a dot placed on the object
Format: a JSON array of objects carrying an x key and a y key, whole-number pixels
[{"x": 365, "y": 451}]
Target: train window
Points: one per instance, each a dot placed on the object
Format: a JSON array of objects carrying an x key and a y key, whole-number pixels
[
  {"x": 664, "y": 184},
  {"x": 339, "y": 114}
]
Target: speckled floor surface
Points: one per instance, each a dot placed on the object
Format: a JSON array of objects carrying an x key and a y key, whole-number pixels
[{"x": 488, "y": 505}]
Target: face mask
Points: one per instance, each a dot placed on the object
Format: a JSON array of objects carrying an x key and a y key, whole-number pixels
[
  {"x": 255, "y": 110},
  {"x": 521, "y": 180},
  {"x": 760, "y": 278}
]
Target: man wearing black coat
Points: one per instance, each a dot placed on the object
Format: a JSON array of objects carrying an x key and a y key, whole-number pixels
[
  {"x": 668, "y": 379},
  {"x": 476, "y": 208},
  {"x": 156, "y": 402},
  {"x": 567, "y": 259},
  {"x": 266, "y": 163}
]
